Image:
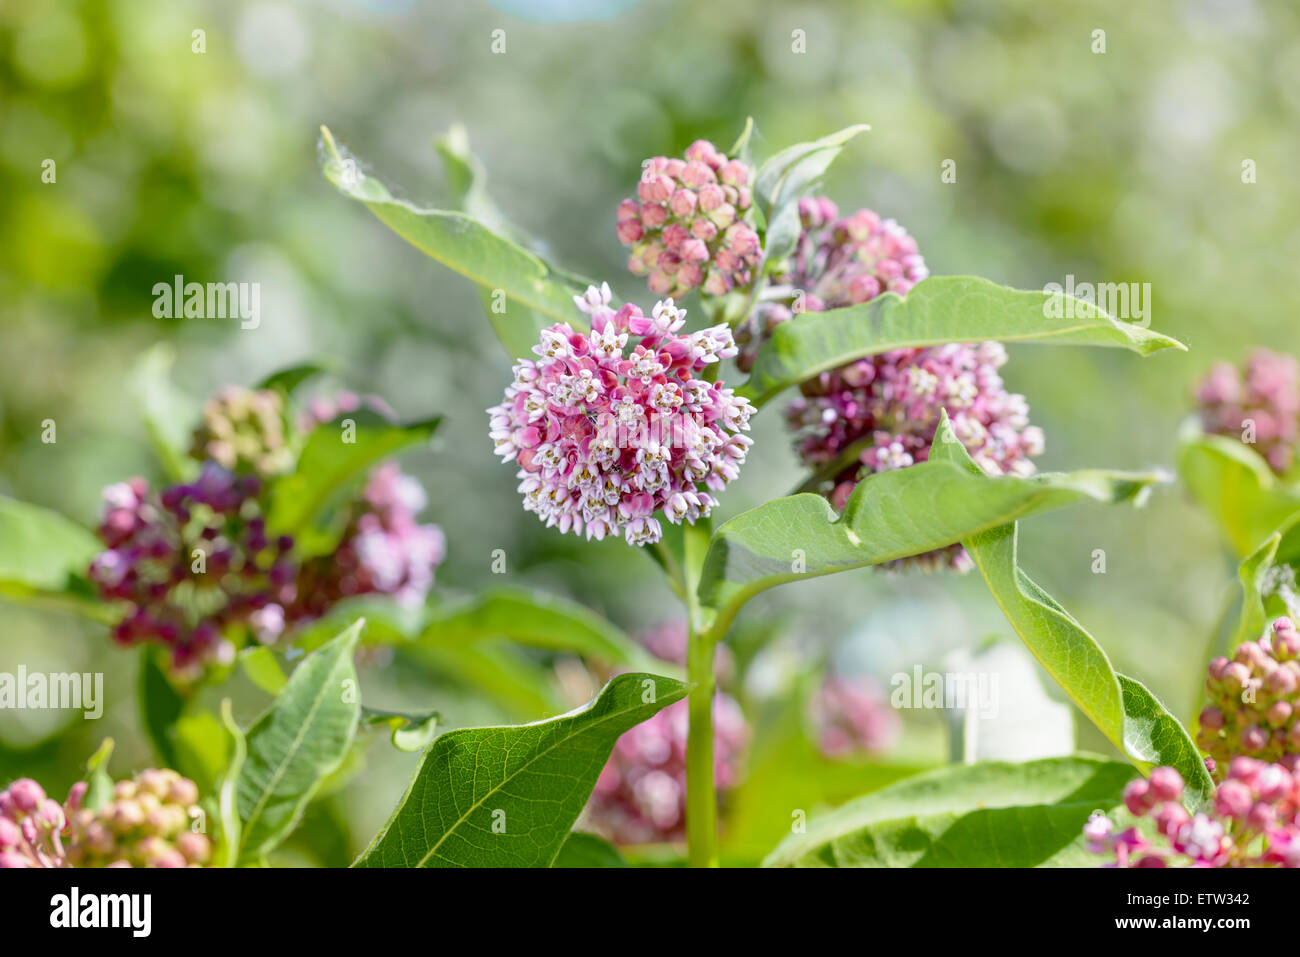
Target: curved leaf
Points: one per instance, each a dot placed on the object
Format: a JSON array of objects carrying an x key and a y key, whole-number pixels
[
  {"x": 1121, "y": 708},
  {"x": 459, "y": 241},
  {"x": 533, "y": 619},
  {"x": 1237, "y": 488},
  {"x": 44, "y": 558},
  {"x": 508, "y": 796},
  {"x": 296, "y": 744},
  {"x": 936, "y": 311},
  {"x": 890, "y": 515},
  {"x": 333, "y": 458},
  {"x": 992, "y": 814},
  {"x": 410, "y": 732},
  {"x": 588, "y": 850}
]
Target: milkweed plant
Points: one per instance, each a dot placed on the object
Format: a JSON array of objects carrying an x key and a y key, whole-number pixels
[{"x": 286, "y": 546}]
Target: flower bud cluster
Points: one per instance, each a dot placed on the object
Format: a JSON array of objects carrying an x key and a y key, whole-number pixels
[{"x": 1255, "y": 700}]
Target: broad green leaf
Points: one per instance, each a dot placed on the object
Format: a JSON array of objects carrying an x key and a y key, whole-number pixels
[
  {"x": 459, "y": 241},
  {"x": 99, "y": 789},
  {"x": 1121, "y": 708},
  {"x": 890, "y": 515},
  {"x": 588, "y": 850},
  {"x": 410, "y": 732},
  {"x": 533, "y": 619},
  {"x": 301, "y": 739},
  {"x": 508, "y": 796},
  {"x": 1240, "y": 492},
  {"x": 44, "y": 558},
  {"x": 262, "y": 669},
  {"x": 335, "y": 457},
  {"x": 938, "y": 310},
  {"x": 169, "y": 413},
  {"x": 519, "y": 684},
  {"x": 387, "y": 622},
  {"x": 992, "y": 814},
  {"x": 161, "y": 705}
]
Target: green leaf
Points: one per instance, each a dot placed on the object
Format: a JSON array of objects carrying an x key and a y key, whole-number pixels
[
  {"x": 1121, "y": 708},
  {"x": 1253, "y": 574},
  {"x": 890, "y": 515},
  {"x": 533, "y": 619},
  {"x": 169, "y": 413},
  {"x": 463, "y": 243},
  {"x": 410, "y": 732},
  {"x": 287, "y": 380},
  {"x": 263, "y": 670},
  {"x": 329, "y": 465},
  {"x": 161, "y": 705},
  {"x": 518, "y": 683},
  {"x": 1240, "y": 492},
  {"x": 202, "y": 748},
  {"x": 299, "y": 741},
  {"x": 508, "y": 796},
  {"x": 785, "y": 178},
  {"x": 99, "y": 790},
  {"x": 228, "y": 791},
  {"x": 938, "y": 310},
  {"x": 44, "y": 558},
  {"x": 992, "y": 814},
  {"x": 588, "y": 850}
]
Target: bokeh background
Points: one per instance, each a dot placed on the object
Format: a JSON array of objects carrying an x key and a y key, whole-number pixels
[{"x": 1122, "y": 166}]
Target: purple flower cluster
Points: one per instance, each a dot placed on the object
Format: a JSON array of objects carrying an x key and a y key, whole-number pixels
[
  {"x": 1255, "y": 700},
  {"x": 1260, "y": 406},
  {"x": 851, "y": 717},
  {"x": 146, "y": 823},
  {"x": 882, "y": 412},
  {"x": 195, "y": 569},
  {"x": 1255, "y": 821},
  {"x": 191, "y": 563},
  {"x": 684, "y": 227},
  {"x": 640, "y": 796},
  {"x": 836, "y": 262},
  {"x": 384, "y": 550},
  {"x": 606, "y": 435}
]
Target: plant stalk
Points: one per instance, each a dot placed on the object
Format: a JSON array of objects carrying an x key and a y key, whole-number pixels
[{"x": 701, "y": 796}]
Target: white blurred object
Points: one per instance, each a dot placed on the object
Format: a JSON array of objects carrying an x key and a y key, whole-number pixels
[{"x": 1025, "y": 724}]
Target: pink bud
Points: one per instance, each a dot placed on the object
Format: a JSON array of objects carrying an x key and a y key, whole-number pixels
[
  {"x": 1211, "y": 718},
  {"x": 1166, "y": 784},
  {"x": 711, "y": 197},
  {"x": 629, "y": 231},
  {"x": 1254, "y": 738},
  {"x": 683, "y": 203},
  {"x": 1233, "y": 799},
  {"x": 654, "y": 215},
  {"x": 864, "y": 288},
  {"x": 1138, "y": 798},
  {"x": 27, "y": 795},
  {"x": 14, "y": 859}
]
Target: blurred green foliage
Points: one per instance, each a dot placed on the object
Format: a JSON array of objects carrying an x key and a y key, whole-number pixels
[{"x": 1121, "y": 166}]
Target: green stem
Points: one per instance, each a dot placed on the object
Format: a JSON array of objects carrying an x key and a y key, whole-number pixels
[{"x": 701, "y": 793}]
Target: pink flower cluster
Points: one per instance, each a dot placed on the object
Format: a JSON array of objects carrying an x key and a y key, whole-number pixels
[
  {"x": 836, "y": 262},
  {"x": 640, "y": 796},
  {"x": 685, "y": 227},
  {"x": 384, "y": 549},
  {"x": 146, "y": 823},
  {"x": 1260, "y": 407},
  {"x": 244, "y": 430},
  {"x": 606, "y": 435},
  {"x": 1254, "y": 707},
  {"x": 1255, "y": 821},
  {"x": 194, "y": 567},
  {"x": 851, "y": 717},
  {"x": 881, "y": 413},
  {"x": 32, "y": 825}
]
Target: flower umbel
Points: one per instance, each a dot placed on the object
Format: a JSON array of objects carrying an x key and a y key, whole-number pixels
[
  {"x": 685, "y": 226},
  {"x": 1260, "y": 406},
  {"x": 1254, "y": 699},
  {"x": 1254, "y": 822},
  {"x": 607, "y": 435}
]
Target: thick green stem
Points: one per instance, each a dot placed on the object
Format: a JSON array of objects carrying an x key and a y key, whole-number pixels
[{"x": 701, "y": 797}]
